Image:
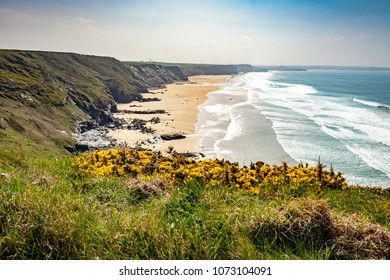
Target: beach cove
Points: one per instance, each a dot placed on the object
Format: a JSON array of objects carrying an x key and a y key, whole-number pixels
[
  {"x": 176, "y": 112},
  {"x": 203, "y": 109}
]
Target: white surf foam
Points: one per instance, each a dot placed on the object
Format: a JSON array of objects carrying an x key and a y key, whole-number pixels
[
  {"x": 328, "y": 111},
  {"x": 372, "y": 104},
  {"x": 291, "y": 107},
  {"x": 371, "y": 158}
]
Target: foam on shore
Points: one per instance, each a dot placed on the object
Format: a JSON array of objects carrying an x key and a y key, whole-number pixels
[{"x": 234, "y": 129}]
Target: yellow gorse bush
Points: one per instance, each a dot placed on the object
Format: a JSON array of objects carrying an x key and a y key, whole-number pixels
[{"x": 212, "y": 172}]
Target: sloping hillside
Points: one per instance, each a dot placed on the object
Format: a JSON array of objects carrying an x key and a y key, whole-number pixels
[{"x": 43, "y": 95}]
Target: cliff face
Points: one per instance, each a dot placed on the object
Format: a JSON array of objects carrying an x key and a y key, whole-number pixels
[
  {"x": 177, "y": 71},
  {"x": 245, "y": 68},
  {"x": 219, "y": 69},
  {"x": 44, "y": 94},
  {"x": 155, "y": 76},
  {"x": 212, "y": 70}
]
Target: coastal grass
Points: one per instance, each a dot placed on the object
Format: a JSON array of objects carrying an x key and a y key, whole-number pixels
[{"x": 47, "y": 211}]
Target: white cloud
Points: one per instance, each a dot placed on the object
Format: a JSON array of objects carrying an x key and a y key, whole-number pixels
[
  {"x": 246, "y": 39},
  {"x": 79, "y": 20}
]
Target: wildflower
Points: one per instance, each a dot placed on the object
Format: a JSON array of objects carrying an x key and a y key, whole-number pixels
[{"x": 212, "y": 172}]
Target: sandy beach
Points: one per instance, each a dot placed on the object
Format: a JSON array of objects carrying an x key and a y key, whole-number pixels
[{"x": 180, "y": 102}]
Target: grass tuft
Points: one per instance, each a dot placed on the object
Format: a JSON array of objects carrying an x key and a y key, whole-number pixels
[
  {"x": 303, "y": 227},
  {"x": 360, "y": 239},
  {"x": 310, "y": 226}
]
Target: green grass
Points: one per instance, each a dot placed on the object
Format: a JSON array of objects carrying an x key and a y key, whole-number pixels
[
  {"x": 47, "y": 212},
  {"x": 371, "y": 206}
]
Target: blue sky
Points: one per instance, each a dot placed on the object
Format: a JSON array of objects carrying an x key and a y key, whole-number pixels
[{"x": 343, "y": 32}]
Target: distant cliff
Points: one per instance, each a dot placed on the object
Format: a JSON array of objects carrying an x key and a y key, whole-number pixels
[
  {"x": 44, "y": 94},
  {"x": 212, "y": 70},
  {"x": 156, "y": 76},
  {"x": 221, "y": 69}
]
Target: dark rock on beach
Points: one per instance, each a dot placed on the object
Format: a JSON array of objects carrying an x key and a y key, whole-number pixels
[
  {"x": 169, "y": 137},
  {"x": 149, "y": 112},
  {"x": 140, "y": 125}
]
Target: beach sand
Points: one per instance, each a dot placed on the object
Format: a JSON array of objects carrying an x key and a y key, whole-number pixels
[{"x": 180, "y": 101}]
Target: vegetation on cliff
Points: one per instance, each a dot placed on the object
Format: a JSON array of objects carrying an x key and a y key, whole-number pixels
[
  {"x": 212, "y": 173},
  {"x": 44, "y": 94},
  {"x": 65, "y": 209}
]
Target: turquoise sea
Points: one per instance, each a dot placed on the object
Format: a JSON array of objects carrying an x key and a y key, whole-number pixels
[{"x": 339, "y": 116}]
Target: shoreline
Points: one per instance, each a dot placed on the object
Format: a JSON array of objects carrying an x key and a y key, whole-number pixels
[
  {"x": 231, "y": 125},
  {"x": 198, "y": 115},
  {"x": 173, "y": 111}
]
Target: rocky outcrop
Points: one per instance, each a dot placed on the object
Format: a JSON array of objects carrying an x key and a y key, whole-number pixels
[
  {"x": 177, "y": 71},
  {"x": 90, "y": 135},
  {"x": 170, "y": 137},
  {"x": 156, "y": 76},
  {"x": 144, "y": 112}
]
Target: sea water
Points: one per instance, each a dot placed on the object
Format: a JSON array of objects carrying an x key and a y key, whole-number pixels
[{"x": 341, "y": 117}]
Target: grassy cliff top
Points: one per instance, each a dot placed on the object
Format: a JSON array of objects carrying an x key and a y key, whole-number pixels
[{"x": 49, "y": 210}]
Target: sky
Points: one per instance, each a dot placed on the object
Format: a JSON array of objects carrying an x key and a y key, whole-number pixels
[{"x": 258, "y": 32}]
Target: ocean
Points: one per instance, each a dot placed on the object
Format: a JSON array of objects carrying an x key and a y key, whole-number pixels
[{"x": 341, "y": 117}]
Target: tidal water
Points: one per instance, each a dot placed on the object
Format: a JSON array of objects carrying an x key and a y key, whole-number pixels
[{"x": 339, "y": 116}]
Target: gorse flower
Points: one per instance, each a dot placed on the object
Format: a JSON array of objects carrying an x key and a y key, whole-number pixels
[{"x": 212, "y": 172}]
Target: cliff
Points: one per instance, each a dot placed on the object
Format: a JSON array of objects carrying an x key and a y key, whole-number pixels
[
  {"x": 156, "y": 76},
  {"x": 211, "y": 70},
  {"x": 232, "y": 69},
  {"x": 44, "y": 94}
]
